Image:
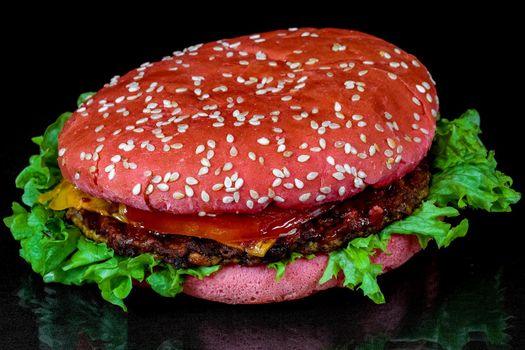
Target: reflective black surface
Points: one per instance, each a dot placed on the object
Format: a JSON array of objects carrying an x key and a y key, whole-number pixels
[
  {"x": 433, "y": 302},
  {"x": 470, "y": 295}
]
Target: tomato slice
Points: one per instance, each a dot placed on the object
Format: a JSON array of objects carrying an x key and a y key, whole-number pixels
[{"x": 271, "y": 223}]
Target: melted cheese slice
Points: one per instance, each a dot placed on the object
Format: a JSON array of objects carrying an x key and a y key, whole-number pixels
[{"x": 65, "y": 195}]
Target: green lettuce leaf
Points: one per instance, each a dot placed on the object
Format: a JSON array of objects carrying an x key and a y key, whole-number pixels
[
  {"x": 83, "y": 97},
  {"x": 354, "y": 262},
  {"x": 466, "y": 172},
  {"x": 42, "y": 172},
  {"x": 168, "y": 282},
  {"x": 427, "y": 222},
  {"x": 58, "y": 251},
  {"x": 280, "y": 266}
]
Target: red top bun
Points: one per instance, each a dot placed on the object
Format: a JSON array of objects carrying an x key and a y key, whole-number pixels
[{"x": 297, "y": 117}]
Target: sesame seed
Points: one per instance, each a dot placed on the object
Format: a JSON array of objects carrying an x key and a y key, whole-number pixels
[
  {"x": 303, "y": 158},
  {"x": 416, "y": 101},
  {"x": 199, "y": 149},
  {"x": 205, "y": 196},
  {"x": 356, "y": 98},
  {"x": 305, "y": 196},
  {"x": 336, "y": 47},
  {"x": 358, "y": 182},
  {"x": 391, "y": 142},
  {"x": 178, "y": 195},
  {"x": 278, "y": 199},
  {"x": 227, "y": 166},
  {"x": 188, "y": 190},
  {"x": 278, "y": 173},
  {"x": 320, "y": 198},
  {"x": 191, "y": 181},
  {"x": 217, "y": 187},
  {"x": 262, "y": 200},
  {"x": 203, "y": 171},
  {"x": 263, "y": 141},
  {"x": 339, "y": 115},
  {"x": 337, "y": 107},
  {"x": 325, "y": 189},
  {"x": 116, "y": 158},
  {"x": 238, "y": 183},
  {"x": 163, "y": 187},
  {"x": 330, "y": 160},
  {"x": 312, "y": 175},
  {"x": 341, "y": 191},
  {"x": 298, "y": 183},
  {"x": 227, "y": 199},
  {"x": 338, "y": 175}
]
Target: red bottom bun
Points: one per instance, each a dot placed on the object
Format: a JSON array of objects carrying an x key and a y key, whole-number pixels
[{"x": 256, "y": 285}]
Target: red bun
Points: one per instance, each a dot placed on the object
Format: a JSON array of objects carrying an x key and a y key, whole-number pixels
[
  {"x": 298, "y": 117},
  {"x": 256, "y": 285}
]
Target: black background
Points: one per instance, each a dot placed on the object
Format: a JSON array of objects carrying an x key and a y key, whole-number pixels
[{"x": 52, "y": 55}]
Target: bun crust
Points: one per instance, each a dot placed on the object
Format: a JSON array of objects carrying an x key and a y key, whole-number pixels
[
  {"x": 256, "y": 285},
  {"x": 295, "y": 117}
]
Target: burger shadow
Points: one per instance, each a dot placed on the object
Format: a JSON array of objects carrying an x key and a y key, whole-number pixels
[{"x": 421, "y": 312}]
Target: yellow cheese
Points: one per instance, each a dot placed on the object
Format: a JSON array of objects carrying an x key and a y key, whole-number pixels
[{"x": 65, "y": 195}]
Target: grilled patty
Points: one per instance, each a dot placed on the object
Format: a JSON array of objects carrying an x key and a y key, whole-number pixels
[{"x": 359, "y": 216}]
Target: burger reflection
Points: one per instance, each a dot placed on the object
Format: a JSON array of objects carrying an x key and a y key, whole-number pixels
[{"x": 423, "y": 311}]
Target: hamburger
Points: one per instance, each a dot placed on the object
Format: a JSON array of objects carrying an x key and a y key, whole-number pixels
[{"x": 251, "y": 170}]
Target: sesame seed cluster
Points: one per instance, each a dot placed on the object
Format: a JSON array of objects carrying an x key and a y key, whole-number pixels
[{"x": 296, "y": 117}]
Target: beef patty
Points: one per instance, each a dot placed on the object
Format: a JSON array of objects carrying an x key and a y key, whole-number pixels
[{"x": 362, "y": 215}]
